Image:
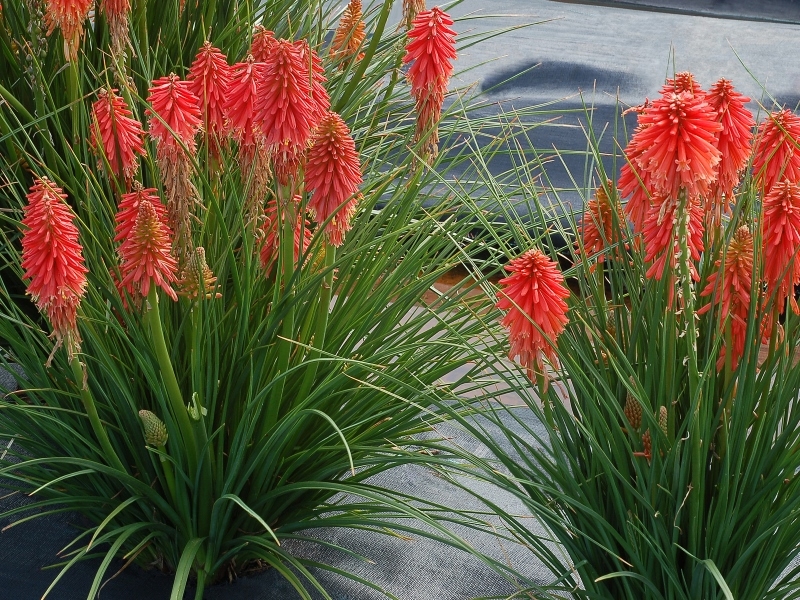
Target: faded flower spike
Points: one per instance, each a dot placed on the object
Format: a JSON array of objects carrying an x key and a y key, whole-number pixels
[
  {"x": 155, "y": 432},
  {"x": 53, "y": 261},
  {"x": 117, "y": 13}
]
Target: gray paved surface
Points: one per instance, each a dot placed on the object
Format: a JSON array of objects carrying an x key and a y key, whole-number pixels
[{"x": 612, "y": 53}]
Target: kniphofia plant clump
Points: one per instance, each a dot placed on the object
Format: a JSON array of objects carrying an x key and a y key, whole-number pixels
[{"x": 226, "y": 234}]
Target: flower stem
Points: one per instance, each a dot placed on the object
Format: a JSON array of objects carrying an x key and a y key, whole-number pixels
[
  {"x": 320, "y": 324},
  {"x": 695, "y": 437},
  {"x": 287, "y": 266},
  {"x": 91, "y": 410},
  {"x": 177, "y": 404}
]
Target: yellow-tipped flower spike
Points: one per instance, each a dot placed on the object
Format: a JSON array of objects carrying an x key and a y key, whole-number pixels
[{"x": 155, "y": 432}]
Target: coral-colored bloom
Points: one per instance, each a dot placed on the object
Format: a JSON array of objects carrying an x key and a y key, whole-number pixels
[
  {"x": 116, "y": 134},
  {"x": 210, "y": 80},
  {"x": 735, "y": 137},
  {"x": 678, "y": 142},
  {"x": 431, "y": 48},
  {"x": 534, "y": 296},
  {"x": 240, "y": 99},
  {"x": 602, "y": 223},
  {"x": 178, "y": 107},
  {"x": 333, "y": 174},
  {"x": 349, "y": 35},
  {"x": 68, "y": 15},
  {"x": 285, "y": 109},
  {"x": 730, "y": 288},
  {"x": 117, "y": 14},
  {"x": 174, "y": 122},
  {"x": 145, "y": 255},
  {"x": 263, "y": 43},
  {"x": 53, "y": 261},
  {"x": 683, "y": 82},
  {"x": 270, "y": 230},
  {"x": 781, "y": 239},
  {"x": 663, "y": 233},
  {"x": 776, "y": 157}
]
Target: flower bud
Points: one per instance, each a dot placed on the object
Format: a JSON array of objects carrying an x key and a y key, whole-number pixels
[{"x": 155, "y": 432}]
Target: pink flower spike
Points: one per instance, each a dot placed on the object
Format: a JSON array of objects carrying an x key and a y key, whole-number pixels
[
  {"x": 116, "y": 134},
  {"x": 678, "y": 142},
  {"x": 178, "y": 107},
  {"x": 735, "y": 139},
  {"x": 776, "y": 157},
  {"x": 333, "y": 174},
  {"x": 240, "y": 99},
  {"x": 534, "y": 295},
  {"x": 285, "y": 111},
  {"x": 52, "y": 258},
  {"x": 210, "y": 80}
]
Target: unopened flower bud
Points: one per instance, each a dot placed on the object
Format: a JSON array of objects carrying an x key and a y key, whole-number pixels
[
  {"x": 155, "y": 432},
  {"x": 633, "y": 411}
]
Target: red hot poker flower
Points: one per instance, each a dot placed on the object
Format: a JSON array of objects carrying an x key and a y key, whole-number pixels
[
  {"x": 333, "y": 174},
  {"x": 776, "y": 157},
  {"x": 68, "y": 15},
  {"x": 349, "y": 35},
  {"x": 173, "y": 101},
  {"x": 683, "y": 82},
  {"x": 781, "y": 238},
  {"x": 128, "y": 209},
  {"x": 145, "y": 254},
  {"x": 730, "y": 288},
  {"x": 210, "y": 80},
  {"x": 53, "y": 261},
  {"x": 240, "y": 99},
  {"x": 679, "y": 144},
  {"x": 735, "y": 137},
  {"x": 263, "y": 43},
  {"x": 431, "y": 48},
  {"x": 534, "y": 296},
  {"x": 285, "y": 110},
  {"x": 116, "y": 134},
  {"x": 319, "y": 95}
]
